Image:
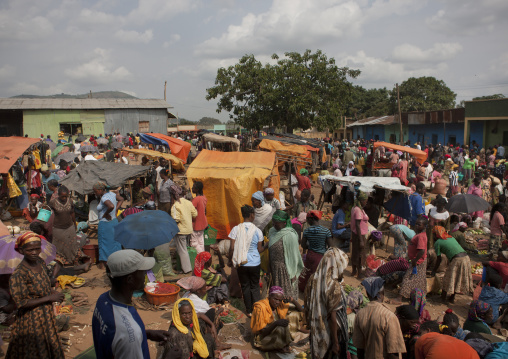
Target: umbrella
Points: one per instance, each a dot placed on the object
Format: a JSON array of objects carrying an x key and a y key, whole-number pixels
[
  {"x": 10, "y": 259},
  {"x": 399, "y": 205},
  {"x": 59, "y": 150},
  {"x": 102, "y": 141},
  {"x": 67, "y": 157},
  {"x": 466, "y": 203},
  {"x": 80, "y": 138},
  {"x": 51, "y": 145},
  {"x": 117, "y": 145},
  {"x": 88, "y": 148},
  {"x": 146, "y": 230}
]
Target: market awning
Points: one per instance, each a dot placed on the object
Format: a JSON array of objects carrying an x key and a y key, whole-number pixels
[
  {"x": 178, "y": 147},
  {"x": 421, "y": 156},
  {"x": 212, "y": 137},
  {"x": 368, "y": 184},
  {"x": 82, "y": 178},
  {"x": 12, "y": 148},
  {"x": 176, "y": 163}
]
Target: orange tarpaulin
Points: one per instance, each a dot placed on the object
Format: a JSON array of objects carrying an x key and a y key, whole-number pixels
[
  {"x": 421, "y": 156},
  {"x": 229, "y": 180},
  {"x": 178, "y": 147},
  {"x": 176, "y": 163},
  {"x": 12, "y": 148}
]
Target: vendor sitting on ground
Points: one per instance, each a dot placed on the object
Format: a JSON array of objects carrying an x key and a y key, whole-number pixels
[
  {"x": 32, "y": 210},
  {"x": 496, "y": 271},
  {"x": 214, "y": 276},
  {"x": 458, "y": 232},
  {"x": 269, "y": 324}
]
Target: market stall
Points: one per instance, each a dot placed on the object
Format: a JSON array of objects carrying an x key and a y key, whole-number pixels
[
  {"x": 176, "y": 163},
  {"x": 229, "y": 180},
  {"x": 212, "y": 141},
  {"x": 421, "y": 156},
  {"x": 178, "y": 147}
]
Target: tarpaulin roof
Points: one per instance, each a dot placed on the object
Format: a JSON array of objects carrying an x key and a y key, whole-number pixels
[
  {"x": 178, "y": 147},
  {"x": 298, "y": 140},
  {"x": 291, "y": 149},
  {"x": 212, "y": 137},
  {"x": 368, "y": 184},
  {"x": 229, "y": 180},
  {"x": 82, "y": 178},
  {"x": 12, "y": 148},
  {"x": 176, "y": 163},
  {"x": 421, "y": 156}
]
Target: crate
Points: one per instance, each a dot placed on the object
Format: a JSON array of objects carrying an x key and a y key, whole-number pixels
[{"x": 210, "y": 235}]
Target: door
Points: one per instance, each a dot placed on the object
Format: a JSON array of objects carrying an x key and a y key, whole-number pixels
[{"x": 505, "y": 138}]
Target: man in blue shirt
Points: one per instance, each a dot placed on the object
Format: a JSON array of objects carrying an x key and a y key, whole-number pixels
[
  {"x": 341, "y": 229},
  {"x": 46, "y": 175},
  {"x": 117, "y": 328},
  {"x": 417, "y": 204}
]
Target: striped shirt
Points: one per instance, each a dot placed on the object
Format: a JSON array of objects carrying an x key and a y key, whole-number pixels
[
  {"x": 397, "y": 265},
  {"x": 454, "y": 178},
  {"x": 316, "y": 236},
  {"x": 211, "y": 278},
  {"x": 377, "y": 331}
]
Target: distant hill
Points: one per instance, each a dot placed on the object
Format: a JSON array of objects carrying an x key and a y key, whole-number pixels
[{"x": 100, "y": 94}]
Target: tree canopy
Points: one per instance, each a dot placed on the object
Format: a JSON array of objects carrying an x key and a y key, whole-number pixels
[
  {"x": 489, "y": 97},
  {"x": 299, "y": 90},
  {"x": 208, "y": 121},
  {"x": 369, "y": 102},
  {"x": 423, "y": 94}
]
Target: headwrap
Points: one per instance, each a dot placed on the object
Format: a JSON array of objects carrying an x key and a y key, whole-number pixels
[
  {"x": 99, "y": 186},
  {"x": 275, "y": 290},
  {"x": 304, "y": 172},
  {"x": 259, "y": 196},
  {"x": 377, "y": 235},
  {"x": 315, "y": 214},
  {"x": 425, "y": 164},
  {"x": 176, "y": 191},
  {"x": 281, "y": 216},
  {"x": 191, "y": 283},
  {"x": 418, "y": 300},
  {"x": 362, "y": 196},
  {"x": 349, "y": 170},
  {"x": 269, "y": 191},
  {"x": 459, "y": 226},
  {"x": 198, "y": 344},
  {"x": 440, "y": 232},
  {"x": 335, "y": 165},
  {"x": 25, "y": 238},
  {"x": 148, "y": 189},
  {"x": 399, "y": 153},
  {"x": 478, "y": 310},
  {"x": 355, "y": 300},
  {"x": 200, "y": 261},
  {"x": 373, "y": 285},
  {"x": 35, "y": 195}
]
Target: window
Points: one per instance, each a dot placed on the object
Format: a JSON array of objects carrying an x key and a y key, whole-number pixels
[
  {"x": 452, "y": 139},
  {"x": 393, "y": 138},
  {"x": 144, "y": 126},
  {"x": 71, "y": 128}
]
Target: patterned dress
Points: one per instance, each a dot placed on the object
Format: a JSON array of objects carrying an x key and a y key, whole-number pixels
[
  {"x": 34, "y": 333},
  {"x": 280, "y": 276}
]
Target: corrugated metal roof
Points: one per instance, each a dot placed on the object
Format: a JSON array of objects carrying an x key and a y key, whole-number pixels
[
  {"x": 383, "y": 120},
  {"x": 78, "y": 104}
]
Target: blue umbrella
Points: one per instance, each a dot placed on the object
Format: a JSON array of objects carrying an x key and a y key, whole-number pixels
[
  {"x": 146, "y": 230},
  {"x": 399, "y": 205}
]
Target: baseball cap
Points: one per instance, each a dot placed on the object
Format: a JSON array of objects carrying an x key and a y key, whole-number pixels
[{"x": 127, "y": 261}]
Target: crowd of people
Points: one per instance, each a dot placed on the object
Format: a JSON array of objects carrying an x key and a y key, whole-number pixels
[{"x": 302, "y": 259}]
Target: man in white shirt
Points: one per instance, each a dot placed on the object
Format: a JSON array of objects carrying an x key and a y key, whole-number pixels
[{"x": 89, "y": 157}]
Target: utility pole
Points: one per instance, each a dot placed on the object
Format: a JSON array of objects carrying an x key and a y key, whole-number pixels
[
  {"x": 165, "y": 84},
  {"x": 400, "y": 117}
]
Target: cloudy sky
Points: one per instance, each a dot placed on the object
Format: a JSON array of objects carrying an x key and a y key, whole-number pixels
[{"x": 74, "y": 46}]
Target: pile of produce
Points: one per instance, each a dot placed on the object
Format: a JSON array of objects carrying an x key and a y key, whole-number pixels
[
  {"x": 162, "y": 288},
  {"x": 348, "y": 288},
  {"x": 228, "y": 316},
  {"x": 477, "y": 268},
  {"x": 475, "y": 231}
]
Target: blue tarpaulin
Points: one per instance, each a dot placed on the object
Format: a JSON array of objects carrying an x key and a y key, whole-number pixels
[{"x": 399, "y": 205}]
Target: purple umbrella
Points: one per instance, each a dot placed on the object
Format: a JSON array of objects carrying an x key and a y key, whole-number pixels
[{"x": 10, "y": 258}]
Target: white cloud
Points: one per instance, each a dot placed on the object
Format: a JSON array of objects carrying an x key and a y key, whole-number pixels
[
  {"x": 133, "y": 37},
  {"x": 153, "y": 10},
  {"x": 7, "y": 71},
  {"x": 438, "y": 53},
  {"x": 24, "y": 28},
  {"x": 469, "y": 17},
  {"x": 33, "y": 89},
  {"x": 173, "y": 38},
  {"x": 99, "y": 70}
]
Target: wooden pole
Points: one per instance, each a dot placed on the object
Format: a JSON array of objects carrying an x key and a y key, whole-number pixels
[
  {"x": 343, "y": 120},
  {"x": 400, "y": 117},
  {"x": 444, "y": 132},
  {"x": 165, "y": 84}
]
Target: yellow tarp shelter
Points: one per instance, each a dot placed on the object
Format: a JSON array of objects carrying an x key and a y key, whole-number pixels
[
  {"x": 229, "y": 180},
  {"x": 176, "y": 163}
]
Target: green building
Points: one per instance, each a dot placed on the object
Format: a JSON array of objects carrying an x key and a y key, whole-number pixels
[{"x": 486, "y": 122}]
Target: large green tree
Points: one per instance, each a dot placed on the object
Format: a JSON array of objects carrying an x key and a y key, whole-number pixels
[
  {"x": 299, "y": 90},
  {"x": 208, "y": 121},
  {"x": 423, "y": 94},
  {"x": 369, "y": 102}
]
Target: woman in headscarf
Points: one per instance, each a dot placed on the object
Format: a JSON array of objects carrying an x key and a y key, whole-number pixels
[
  {"x": 486, "y": 183},
  {"x": 354, "y": 302},
  {"x": 326, "y": 308},
  {"x": 262, "y": 210},
  {"x": 108, "y": 204},
  {"x": 270, "y": 199},
  {"x": 284, "y": 252},
  {"x": 164, "y": 191},
  {"x": 401, "y": 235},
  {"x": 34, "y": 333},
  {"x": 458, "y": 277},
  {"x": 351, "y": 169},
  {"x": 270, "y": 324},
  {"x": 476, "y": 190},
  {"x": 418, "y": 300},
  {"x": 315, "y": 240},
  {"x": 187, "y": 332},
  {"x": 32, "y": 210},
  {"x": 359, "y": 229},
  {"x": 480, "y": 313},
  {"x": 214, "y": 277}
]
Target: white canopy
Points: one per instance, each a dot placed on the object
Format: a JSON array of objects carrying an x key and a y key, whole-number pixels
[{"x": 368, "y": 184}]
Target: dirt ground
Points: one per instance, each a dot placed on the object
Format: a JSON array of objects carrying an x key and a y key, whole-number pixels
[{"x": 80, "y": 333}]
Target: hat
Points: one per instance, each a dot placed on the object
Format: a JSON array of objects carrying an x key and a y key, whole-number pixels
[
  {"x": 128, "y": 261},
  {"x": 44, "y": 168}
]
